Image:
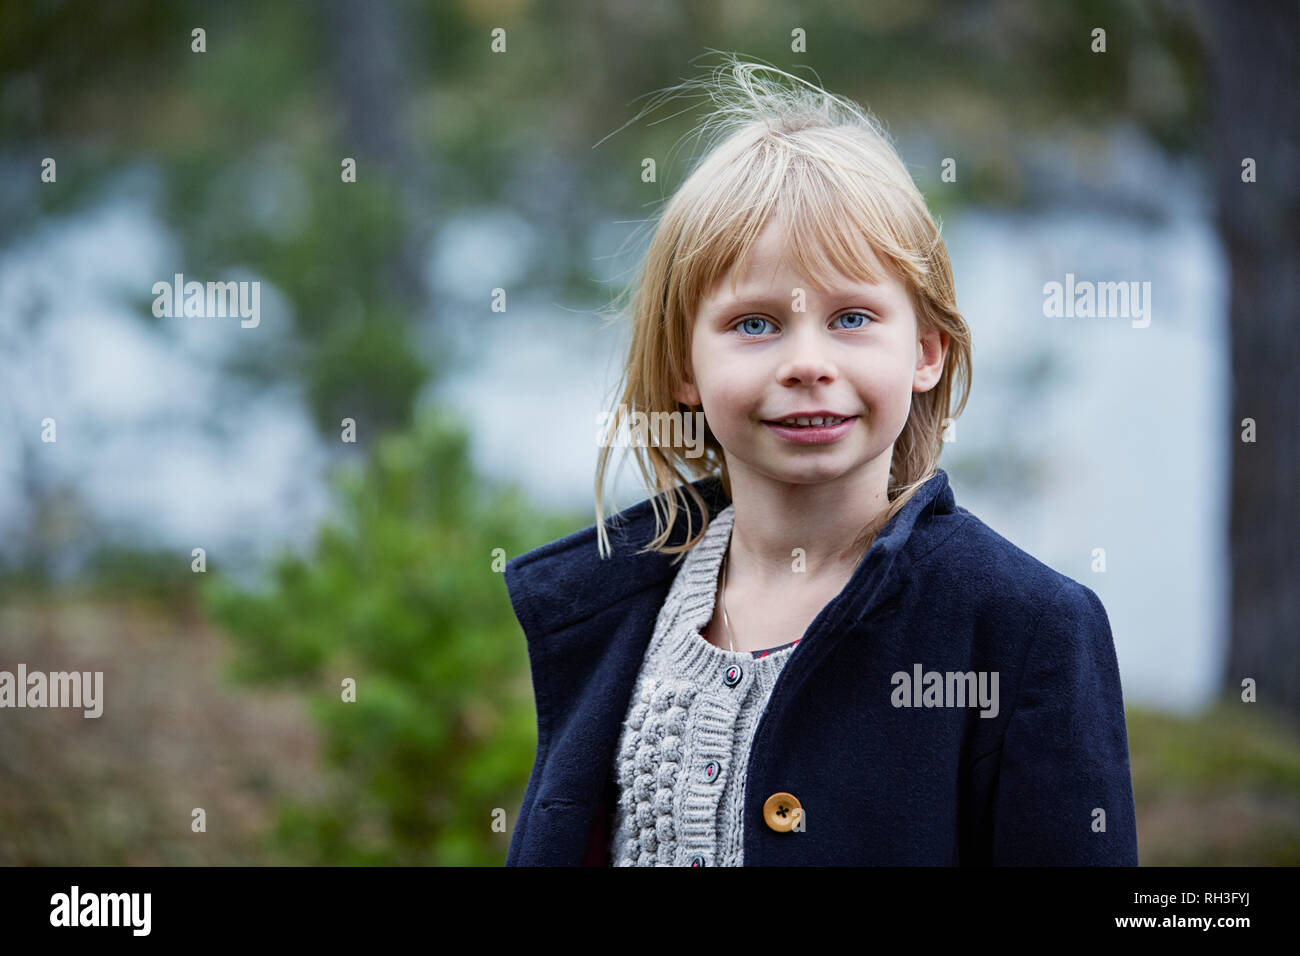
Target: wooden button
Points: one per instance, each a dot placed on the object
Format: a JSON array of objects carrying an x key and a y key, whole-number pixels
[{"x": 781, "y": 811}]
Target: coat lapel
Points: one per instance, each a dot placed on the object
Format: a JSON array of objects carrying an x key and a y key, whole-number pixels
[{"x": 588, "y": 621}]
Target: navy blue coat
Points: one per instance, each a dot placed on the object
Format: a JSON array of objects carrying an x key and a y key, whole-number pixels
[{"x": 879, "y": 783}]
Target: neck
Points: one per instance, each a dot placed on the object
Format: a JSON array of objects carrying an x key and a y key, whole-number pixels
[{"x": 824, "y": 520}]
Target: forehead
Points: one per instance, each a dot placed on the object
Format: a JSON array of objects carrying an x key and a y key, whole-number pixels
[{"x": 772, "y": 266}]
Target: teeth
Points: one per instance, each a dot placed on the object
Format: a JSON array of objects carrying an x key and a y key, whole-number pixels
[{"x": 815, "y": 421}]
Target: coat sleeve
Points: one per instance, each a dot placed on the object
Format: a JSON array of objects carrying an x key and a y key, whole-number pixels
[{"x": 1064, "y": 769}]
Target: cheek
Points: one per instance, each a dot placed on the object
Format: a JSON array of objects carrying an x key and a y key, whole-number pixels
[
  {"x": 887, "y": 388},
  {"x": 726, "y": 398},
  {"x": 895, "y": 373},
  {"x": 725, "y": 389},
  {"x": 880, "y": 379}
]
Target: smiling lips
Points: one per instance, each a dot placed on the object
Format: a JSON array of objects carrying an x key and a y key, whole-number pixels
[
  {"x": 817, "y": 420},
  {"x": 815, "y": 417},
  {"x": 816, "y": 429}
]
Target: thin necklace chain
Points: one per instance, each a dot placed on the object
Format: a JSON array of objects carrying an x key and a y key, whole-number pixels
[{"x": 726, "y": 623}]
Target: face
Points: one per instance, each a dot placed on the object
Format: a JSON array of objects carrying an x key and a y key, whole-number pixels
[{"x": 854, "y": 351}]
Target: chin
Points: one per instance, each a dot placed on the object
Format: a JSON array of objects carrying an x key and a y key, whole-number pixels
[{"x": 807, "y": 475}]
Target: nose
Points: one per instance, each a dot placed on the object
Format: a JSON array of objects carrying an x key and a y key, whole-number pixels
[{"x": 808, "y": 363}]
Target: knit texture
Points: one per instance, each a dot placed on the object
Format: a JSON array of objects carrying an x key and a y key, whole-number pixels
[{"x": 684, "y": 746}]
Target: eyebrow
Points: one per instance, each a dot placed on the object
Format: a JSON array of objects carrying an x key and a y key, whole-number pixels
[{"x": 760, "y": 301}]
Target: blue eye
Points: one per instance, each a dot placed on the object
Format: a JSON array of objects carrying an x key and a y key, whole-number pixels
[
  {"x": 753, "y": 318},
  {"x": 863, "y": 315}
]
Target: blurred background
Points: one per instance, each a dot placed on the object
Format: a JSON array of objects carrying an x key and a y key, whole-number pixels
[{"x": 222, "y": 156}]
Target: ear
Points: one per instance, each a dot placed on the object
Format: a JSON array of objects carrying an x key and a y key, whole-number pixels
[{"x": 931, "y": 349}]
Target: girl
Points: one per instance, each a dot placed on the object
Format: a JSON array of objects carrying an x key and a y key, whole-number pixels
[{"x": 813, "y": 655}]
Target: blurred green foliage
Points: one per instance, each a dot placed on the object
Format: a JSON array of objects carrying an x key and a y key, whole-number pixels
[
  {"x": 400, "y": 594},
  {"x": 1218, "y": 788}
]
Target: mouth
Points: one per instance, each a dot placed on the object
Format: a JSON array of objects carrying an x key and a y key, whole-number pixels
[
  {"x": 809, "y": 421},
  {"x": 815, "y": 430}
]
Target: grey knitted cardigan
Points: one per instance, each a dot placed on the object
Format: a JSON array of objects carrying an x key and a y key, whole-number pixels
[{"x": 684, "y": 746}]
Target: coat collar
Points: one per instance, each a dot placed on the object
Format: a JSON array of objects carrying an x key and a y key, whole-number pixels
[{"x": 566, "y": 581}]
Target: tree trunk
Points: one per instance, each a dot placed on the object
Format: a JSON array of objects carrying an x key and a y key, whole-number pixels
[{"x": 1252, "y": 49}]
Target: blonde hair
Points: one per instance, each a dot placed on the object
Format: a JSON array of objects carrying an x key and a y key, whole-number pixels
[{"x": 823, "y": 165}]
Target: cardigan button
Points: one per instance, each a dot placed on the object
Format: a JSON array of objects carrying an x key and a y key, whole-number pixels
[
  {"x": 731, "y": 676},
  {"x": 781, "y": 811},
  {"x": 697, "y": 861},
  {"x": 711, "y": 770}
]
